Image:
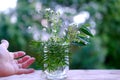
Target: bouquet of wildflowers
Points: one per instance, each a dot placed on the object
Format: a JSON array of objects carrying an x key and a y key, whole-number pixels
[{"x": 56, "y": 47}]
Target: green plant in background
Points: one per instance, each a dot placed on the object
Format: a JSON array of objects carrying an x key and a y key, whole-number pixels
[{"x": 60, "y": 41}]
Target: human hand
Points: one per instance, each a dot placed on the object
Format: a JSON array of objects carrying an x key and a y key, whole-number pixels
[{"x": 9, "y": 65}]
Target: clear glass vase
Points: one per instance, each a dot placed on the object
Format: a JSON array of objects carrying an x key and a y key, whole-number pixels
[
  {"x": 56, "y": 61},
  {"x": 58, "y": 74}
]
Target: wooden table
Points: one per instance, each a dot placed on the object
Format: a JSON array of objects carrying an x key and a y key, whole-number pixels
[{"x": 72, "y": 75}]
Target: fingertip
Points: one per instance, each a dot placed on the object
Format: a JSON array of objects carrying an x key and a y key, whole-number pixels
[
  {"x": 31, "y": 70},
  {"x": 19, "y": 54},
  {"x": 25, "y": 58},
  {"x": 27, "y": 63},
  {"x": 25, "y": 71},
  {"x": 33, "y": 58},
  {"x": 3, "y": 40},
  {"x": 4, "y": 43}
]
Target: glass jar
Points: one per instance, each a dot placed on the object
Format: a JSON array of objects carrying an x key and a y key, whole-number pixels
[{"x": 56, "y": 60}]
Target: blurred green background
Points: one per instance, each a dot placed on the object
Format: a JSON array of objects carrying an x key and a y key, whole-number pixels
[{"x": 103, "y": 15}]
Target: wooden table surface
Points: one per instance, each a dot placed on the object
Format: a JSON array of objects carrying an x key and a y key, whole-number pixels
[{"x": 72, "y": 75}]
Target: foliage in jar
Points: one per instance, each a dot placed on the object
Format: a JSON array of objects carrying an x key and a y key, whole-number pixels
[{"x": 61, "y": 37}]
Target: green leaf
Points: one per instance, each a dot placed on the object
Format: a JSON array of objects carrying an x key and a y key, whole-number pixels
[
  {"x": 84, "y": 39},
  {"x": 78, "y": 43},
  {"x": 86, "y": 31}
]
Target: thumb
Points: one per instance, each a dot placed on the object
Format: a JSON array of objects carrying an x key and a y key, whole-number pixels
[{"x": 4, "y": 43}]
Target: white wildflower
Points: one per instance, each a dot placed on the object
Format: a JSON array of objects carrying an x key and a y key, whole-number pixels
[{"x": 47, "y": 9}]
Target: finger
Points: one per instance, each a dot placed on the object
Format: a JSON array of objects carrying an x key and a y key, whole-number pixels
[
  {"x": 22, "y": 60},
  {"x": 25, "y": 71},
  {"x": 18, "y": 54},
  {"x": 27, "y": 63},
  {"x": 4, "y": 43}
]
